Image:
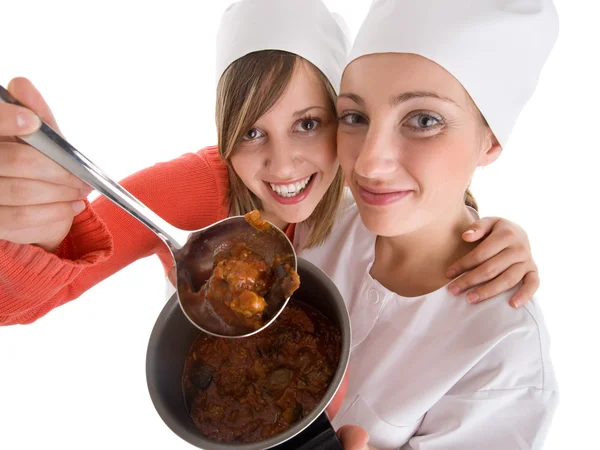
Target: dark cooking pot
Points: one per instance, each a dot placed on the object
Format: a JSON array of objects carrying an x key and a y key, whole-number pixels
[{"x": 173, "y": 335}]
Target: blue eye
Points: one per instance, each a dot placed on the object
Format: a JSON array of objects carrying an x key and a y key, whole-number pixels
[
  {"x": 424, "y": 122},
  {"x": 427, "y": 121}
]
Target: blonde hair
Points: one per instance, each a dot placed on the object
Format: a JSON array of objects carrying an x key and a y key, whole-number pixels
[
  {"x": 246, "y": 91},
  {"x": 470, "y": 200},
  {"x": 468, "y": 197}
]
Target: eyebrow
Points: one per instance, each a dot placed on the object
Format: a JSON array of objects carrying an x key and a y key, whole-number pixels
[
  {"x": 354, "y": 97},
  {"x": 303, "y": 111},
  {"x": 401, "y": 98}
]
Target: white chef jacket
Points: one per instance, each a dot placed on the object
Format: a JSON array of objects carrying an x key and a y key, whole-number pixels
[{"x": 434, "y": 372}]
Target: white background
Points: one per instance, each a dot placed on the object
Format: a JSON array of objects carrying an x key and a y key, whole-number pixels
[{"x": 132, "y": 84}]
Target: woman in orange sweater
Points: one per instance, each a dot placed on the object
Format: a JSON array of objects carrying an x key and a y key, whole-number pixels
[{"x": 276, "y": 152}]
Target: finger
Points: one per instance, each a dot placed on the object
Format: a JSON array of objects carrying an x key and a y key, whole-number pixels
[
  {"x": 353, "y": 437},
  {"x": 23, "y": 161},
  {"x": 488, "y": 270},
  {"x": 17, "y": 120},
  {"x": 500, "y": 239},
  {"x": 338, "y": 398},
  {"x": 505, "y": 281},
  {"x": 13, "y": 218},
  {"x": 27, "y": 94},
  {"x": 44, "y": 236},
  {"x": 531, "y": 283},
  {"x": 23, "y": 192},
  {"x": 480, "y": 228}
]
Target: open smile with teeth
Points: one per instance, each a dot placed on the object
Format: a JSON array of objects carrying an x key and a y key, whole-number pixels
[{"x": 292, "y": 189}]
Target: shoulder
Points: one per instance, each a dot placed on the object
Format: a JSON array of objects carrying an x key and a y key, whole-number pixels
[
  {"x": 513, "y": 346},
  {"x": 190, "y": 191},
  {"x": 188, "y": 167},
  {"x": 209, "y": 157}
]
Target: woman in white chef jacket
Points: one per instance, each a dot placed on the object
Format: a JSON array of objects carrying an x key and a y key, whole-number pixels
[{"x": 431, "y": 92}]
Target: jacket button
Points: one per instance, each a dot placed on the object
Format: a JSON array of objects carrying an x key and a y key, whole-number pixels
[{"x": 374, "y": 296}]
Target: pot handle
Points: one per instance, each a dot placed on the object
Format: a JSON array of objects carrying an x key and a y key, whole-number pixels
[{"x": 319, "y": 435}]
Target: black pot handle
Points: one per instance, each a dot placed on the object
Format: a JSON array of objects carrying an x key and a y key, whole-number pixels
[{"x": 319, "y": 435}]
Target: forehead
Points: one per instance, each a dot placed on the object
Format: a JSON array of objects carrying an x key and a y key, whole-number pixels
[
  {"x": 305, "y": 89},
  {"x": 386, "y": 75}
]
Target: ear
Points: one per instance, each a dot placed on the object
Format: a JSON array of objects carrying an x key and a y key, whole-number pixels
[{"x": 491, "y": 149}]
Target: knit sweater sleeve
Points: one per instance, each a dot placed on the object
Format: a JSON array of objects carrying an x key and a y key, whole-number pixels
[{"x": 189, "y": 192}]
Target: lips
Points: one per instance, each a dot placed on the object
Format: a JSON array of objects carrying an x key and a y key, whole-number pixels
[
  {"x": 291, "y": 189},
  {"x": 381, "y": 196},
  {"x": 293, "y": 192}
]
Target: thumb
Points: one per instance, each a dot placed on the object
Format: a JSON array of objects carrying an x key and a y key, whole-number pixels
[
  {"x": 480, "y": 229},
  {"x": 27, "y": 94},
  {"x": 353, "y": 437}
]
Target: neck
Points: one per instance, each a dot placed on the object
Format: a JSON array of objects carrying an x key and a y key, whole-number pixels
[{"x": 415, "y": 263}]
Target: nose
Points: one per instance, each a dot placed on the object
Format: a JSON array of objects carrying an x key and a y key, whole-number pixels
[
  {"x": 283, "y": 160},
  {"x": 378, "y": 155}
]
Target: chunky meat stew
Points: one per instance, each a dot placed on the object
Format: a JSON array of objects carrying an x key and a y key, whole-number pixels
[
  {"x": 249, "y": 389},
  {"x": 241, "y": 283}
]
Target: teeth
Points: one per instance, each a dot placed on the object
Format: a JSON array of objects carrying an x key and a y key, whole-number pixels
[{"x": 292, "y": 189}]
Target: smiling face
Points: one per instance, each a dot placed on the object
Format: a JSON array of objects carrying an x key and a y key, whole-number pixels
[
  {"x": 287, "y": 158},
  {"x": 409, "y": 141}
]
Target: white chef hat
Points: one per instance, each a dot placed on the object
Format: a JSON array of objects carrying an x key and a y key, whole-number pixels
[
  {"x": 306, "y": 28},
  {"x": 495, "y": 48}
]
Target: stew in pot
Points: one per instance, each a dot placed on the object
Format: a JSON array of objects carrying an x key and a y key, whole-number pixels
[{"x": 246, "y": 390}]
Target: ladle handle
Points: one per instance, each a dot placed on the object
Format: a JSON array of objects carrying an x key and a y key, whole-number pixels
[{"x": 55, "y": 147}]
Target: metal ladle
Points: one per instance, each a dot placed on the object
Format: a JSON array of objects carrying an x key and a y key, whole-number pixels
[{"x": 193, "y": 251}]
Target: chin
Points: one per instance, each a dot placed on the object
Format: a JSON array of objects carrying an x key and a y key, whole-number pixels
[
  {"x": 296, "y": 214},
  {"x": 380, "y": 230},
  {"x": 381, "y": 224},
  {"x": 288, "y": 214}
]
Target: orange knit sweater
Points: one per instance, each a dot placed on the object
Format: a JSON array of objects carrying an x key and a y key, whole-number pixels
[{"x": 189, "y": 192}]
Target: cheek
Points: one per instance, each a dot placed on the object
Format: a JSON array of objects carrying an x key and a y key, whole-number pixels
[
  {"x": 328, "y": 152},
  {"x": 246, "y": 165},
  {"x": 445, "y": 169},
  {"x": 323, "y": 154}
]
